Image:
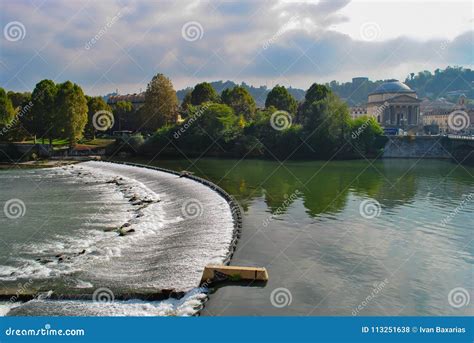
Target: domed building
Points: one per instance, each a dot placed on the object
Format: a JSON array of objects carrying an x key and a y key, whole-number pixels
[{"x": 396, "y": 106}]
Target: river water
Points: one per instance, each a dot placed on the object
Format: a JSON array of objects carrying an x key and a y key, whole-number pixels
[{"x": 390, "y": 237}]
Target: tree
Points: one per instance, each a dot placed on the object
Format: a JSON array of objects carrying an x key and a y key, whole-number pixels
[
  {"x": 123, "y": 111},
  {"x": 161, "y": 103},
  {"x": 281, "y": 99},
  {"x": 7, "y": 112},
  {"x": 71, "y": 112},
  {"x": 240, "y": 100},
  {"x": 203, "y": 92},
  {"x": 43, "y": 123},
  {"x": 365, "y": 132},
  {"x": 19, "y": 99},
  {"x": 94, "y": 105},
  {"x": 186, "y": 101},
  {"x": 325, "y": 119}
]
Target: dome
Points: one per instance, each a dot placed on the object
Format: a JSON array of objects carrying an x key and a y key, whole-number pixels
[{"x": 392, "y": 86}]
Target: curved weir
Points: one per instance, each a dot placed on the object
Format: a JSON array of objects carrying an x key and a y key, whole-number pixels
[{"x": 177, "y": 224}]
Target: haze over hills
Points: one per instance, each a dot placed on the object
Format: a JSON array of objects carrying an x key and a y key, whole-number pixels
[{"x": 448, "y": 83}]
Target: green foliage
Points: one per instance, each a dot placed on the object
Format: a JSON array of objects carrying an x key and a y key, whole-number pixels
[
  {"x": 186, "y": 101},
  {"x": 440, "y": 82},
  {"x": 18, "y": 99},
  {"x": 161, "y": 104},
  {"x": 364, "y": 134},
  {"x": 43, "y": 123},
  {"x": 94, "y": 105},
  {"x": 203, "y": 92},
  {"x": 281, "y": 99},
  {"x": 71, "y": 112},
  {"x": 7, "y": 112},
  {"x": 240, "y": 100}
]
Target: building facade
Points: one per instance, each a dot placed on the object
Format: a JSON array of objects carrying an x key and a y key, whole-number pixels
[{"x": 396, "y": 106}]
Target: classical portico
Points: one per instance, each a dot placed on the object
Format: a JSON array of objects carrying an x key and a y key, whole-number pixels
[{"x": 395, "y": 105}]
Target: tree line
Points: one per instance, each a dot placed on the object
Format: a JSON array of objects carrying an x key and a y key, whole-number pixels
[{"x": 225, "y": 124}]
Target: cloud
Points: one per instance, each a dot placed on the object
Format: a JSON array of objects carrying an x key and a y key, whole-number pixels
[{"x": 121, "y": 44}]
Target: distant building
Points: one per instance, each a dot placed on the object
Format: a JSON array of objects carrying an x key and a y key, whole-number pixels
[
  {"x": 358, "y": 111},
  {"x": 357, "y": 81},
  {"x": 436, "y": 113},
  {"x": 396, "y": 106},
  {"x": 137, "y": 100}
]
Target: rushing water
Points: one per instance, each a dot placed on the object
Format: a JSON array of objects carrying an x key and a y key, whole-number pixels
[
  {"x": 303, "y": 221},
  {"x": 59, "y": 233}
]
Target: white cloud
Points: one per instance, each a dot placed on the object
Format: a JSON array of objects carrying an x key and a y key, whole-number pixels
[{"x": 320, "y": 43}]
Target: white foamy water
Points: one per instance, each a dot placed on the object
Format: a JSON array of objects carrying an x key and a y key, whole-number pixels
[{"x": 162, "y": 244}]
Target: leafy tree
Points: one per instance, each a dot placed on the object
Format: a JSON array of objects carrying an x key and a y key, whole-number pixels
[
  {"x": 364, "y": 134},
  {"x": 203, "y": 92},
  {"x": 281, "y": 99},
  {"x": 71, "y": 111},
  {"x": 186, "y": 101},
  {"x": 325, "y": 119},
  {"x": 240, "y": 100},
  {"x": 94, "y": 105},
  {"x": 7, "y": 112},
  {"x": 43, "y": 123},
  {"x": 18, "y": 99},
  {"x": 123, "y": 113},
  {"x": 161, "y": 103}
]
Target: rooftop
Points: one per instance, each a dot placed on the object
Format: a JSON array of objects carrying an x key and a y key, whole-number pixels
[{"x": 392, "y": 86}]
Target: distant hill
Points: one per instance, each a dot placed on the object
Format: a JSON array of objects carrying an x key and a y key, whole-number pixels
[{"x": 448, "y": 83}]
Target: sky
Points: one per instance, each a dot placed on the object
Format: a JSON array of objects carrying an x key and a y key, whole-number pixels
[{"x": 119, "y": 45}]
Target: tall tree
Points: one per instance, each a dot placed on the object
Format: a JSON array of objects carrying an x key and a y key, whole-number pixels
[
  {"x": 43, "y": 123},
  {"x": 240, "y": 100},
  {"x": 203, "y": 92},
  {"x": 281, "y": 99},
  {"x": 94, "y": 105},
  {"x": 7, "y": 113},
  {"x": 71, "y": 111},
  {"x": 161, "y": 103}
]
